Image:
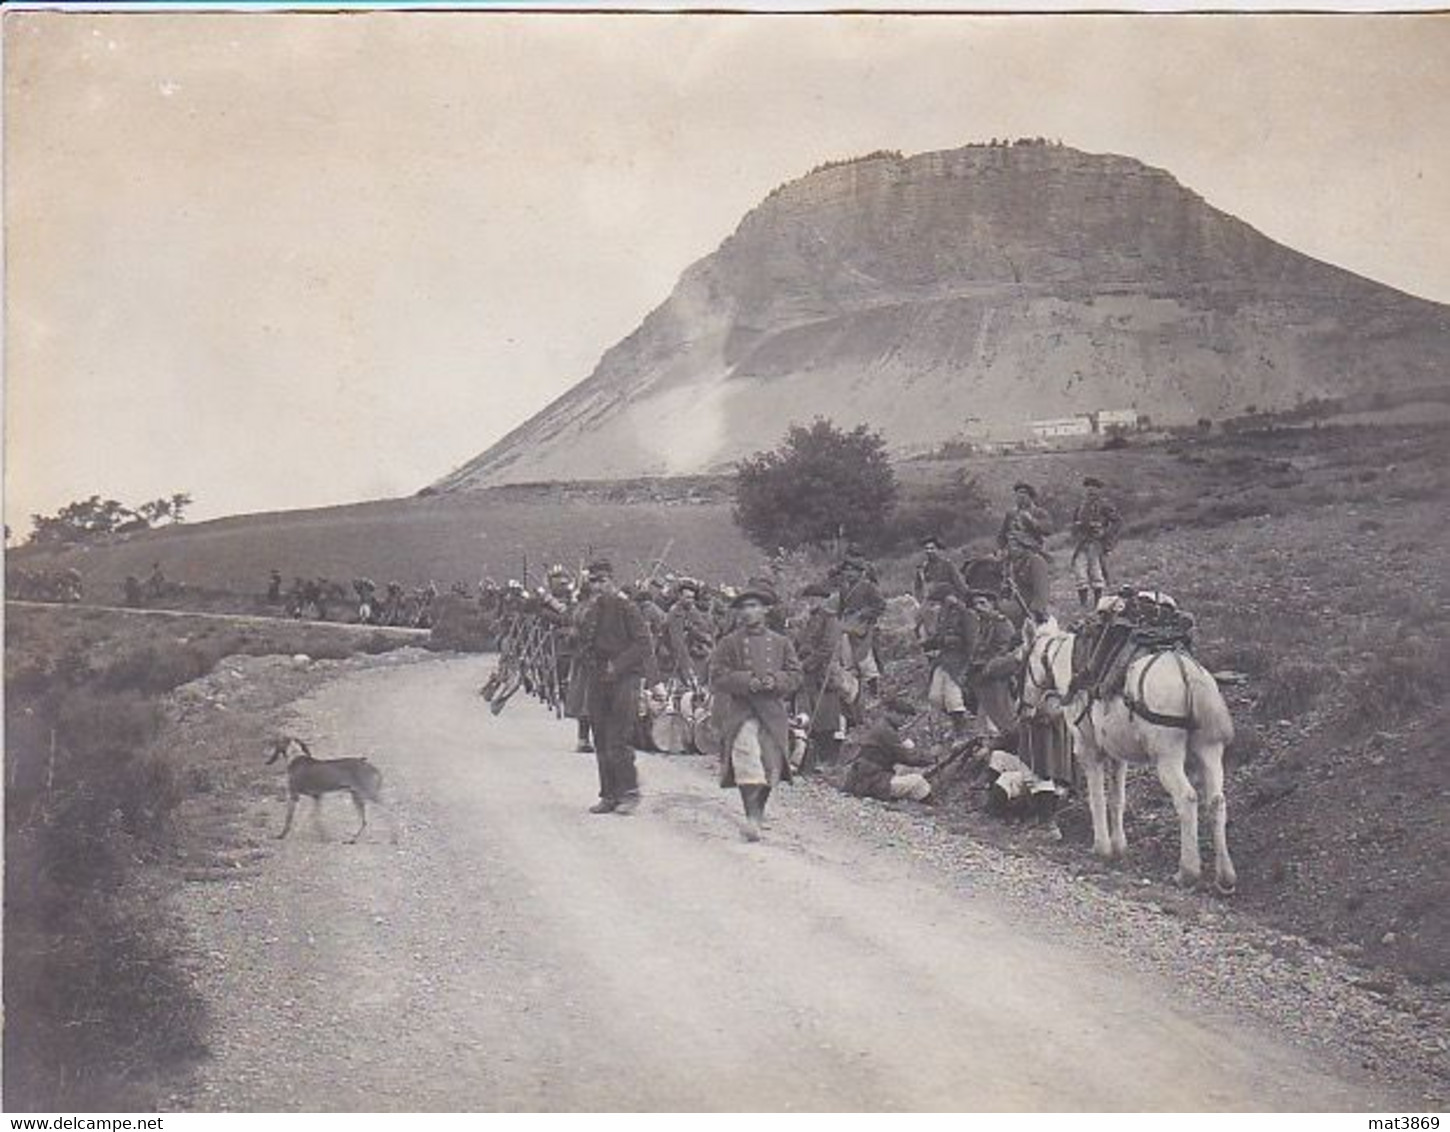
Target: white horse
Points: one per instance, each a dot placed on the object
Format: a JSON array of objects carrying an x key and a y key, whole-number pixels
[{"x": 1170, "y": 711}]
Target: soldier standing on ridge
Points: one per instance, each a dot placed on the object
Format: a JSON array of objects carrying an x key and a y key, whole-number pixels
[
  {"x": 1024, "y": 531},
  {"x": 1095, "y": 525}
]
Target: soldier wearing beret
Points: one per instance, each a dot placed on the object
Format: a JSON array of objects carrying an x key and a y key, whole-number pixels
[{"x": 1095, "y": 526}]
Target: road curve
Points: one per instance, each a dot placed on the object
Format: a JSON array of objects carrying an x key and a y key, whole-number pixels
[{"x": 512, "y": 951}]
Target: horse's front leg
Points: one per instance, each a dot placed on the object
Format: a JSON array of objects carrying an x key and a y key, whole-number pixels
[
  {"x": 1117, "y": 803},
  {"x": 1185, "y": 801},
  {"x": 1092, "y": 766}
]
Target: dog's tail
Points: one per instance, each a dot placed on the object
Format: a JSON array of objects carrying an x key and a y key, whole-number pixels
[{"x": 370, "y": 780}]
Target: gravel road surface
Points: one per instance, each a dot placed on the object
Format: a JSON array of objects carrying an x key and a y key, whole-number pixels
[{"x": 512, "y": 951}]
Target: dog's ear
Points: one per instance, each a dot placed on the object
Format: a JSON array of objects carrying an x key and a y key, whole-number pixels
[
  {"x": 306, "y": 750},
  {"x": 279, "y": 748}
]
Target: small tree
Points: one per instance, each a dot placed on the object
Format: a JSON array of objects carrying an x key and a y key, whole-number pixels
[{"x": 820, "y": 484}]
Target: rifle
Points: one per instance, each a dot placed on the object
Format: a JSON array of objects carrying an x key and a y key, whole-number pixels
[
  {"x": 660, "y": 561},
  {"x": 958, "y": 751}
]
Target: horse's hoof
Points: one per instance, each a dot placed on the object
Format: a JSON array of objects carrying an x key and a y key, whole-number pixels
[
  {"x": 1187, "y": 880},
  {"x": 1225, "y": 889}
]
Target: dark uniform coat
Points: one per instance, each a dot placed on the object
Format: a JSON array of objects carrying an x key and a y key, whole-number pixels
[
  {"x": 818, "y": 644},
  {"x": 871, "y": 772},
  {"x": 691, "y": 633}
]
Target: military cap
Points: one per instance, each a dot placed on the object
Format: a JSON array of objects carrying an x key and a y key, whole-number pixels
[
  {"x": 1092, "y": 481},
  {"x": 760, "y": 589},
  {"x": 600, "y": 568},
  {"x": 683, "y": 584},
  {"x": 931, "y": 541},
  {"x": 1022, "y": 485}
]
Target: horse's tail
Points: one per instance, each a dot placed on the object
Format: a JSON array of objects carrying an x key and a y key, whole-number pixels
[{"x": 1212, "y": 722}]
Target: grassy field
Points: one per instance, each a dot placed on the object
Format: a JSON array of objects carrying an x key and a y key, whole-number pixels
[{"x": 442, "y": 538}]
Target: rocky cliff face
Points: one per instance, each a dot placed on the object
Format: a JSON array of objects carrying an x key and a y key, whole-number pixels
[{"x": 971, "y": 290}]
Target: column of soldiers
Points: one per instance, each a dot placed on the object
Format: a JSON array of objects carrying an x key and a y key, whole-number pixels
[{"x": 780, "y": 693}]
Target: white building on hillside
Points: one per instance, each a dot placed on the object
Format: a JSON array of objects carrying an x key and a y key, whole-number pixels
[
  {"x": 1108, "y": 419},
  {"x": 1061, "y": 426}
]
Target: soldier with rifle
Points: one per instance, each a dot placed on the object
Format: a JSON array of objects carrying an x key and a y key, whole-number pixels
[
  {"x": 1022, "y": 540},
  {"x": 1095, "y": 526},
  {"x": 873, "y": 772}
]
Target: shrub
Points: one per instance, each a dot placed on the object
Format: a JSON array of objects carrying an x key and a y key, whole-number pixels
[
  {"x": 820, "y": 484},
  {"x": 1413, "y": 676},
  {"x": 955, "y": 512},
  {"x": 1292, "y": 688}
]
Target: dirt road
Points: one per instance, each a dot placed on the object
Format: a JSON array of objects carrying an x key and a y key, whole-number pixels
[{"x": 512, "y": 951}]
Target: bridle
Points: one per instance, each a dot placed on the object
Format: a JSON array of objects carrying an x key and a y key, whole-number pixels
[{"x": 1048, "y": 682}]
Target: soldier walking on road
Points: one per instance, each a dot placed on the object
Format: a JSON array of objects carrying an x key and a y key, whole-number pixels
[
  {"x": 621, "y": 654},
  {"x": 1022, "y": 538},
  {"x": 1095, "y": 526},
  {"x": 753, "y": 673}
]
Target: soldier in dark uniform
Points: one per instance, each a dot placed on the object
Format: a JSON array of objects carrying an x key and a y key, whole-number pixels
[
  {"x": 1095, "y": 526},
  {"x": 556, "y": 609},
  {"x": 691, "y": 633},
  {"x": 861, "y": 606},
  {"x": 949, "y": 644},
  {"x": 274, "y": 588},
  {"x": 621, "y": 654},
  {"x": 1022, "y": 538},
  {"x": 819, "y": 645},
  {"x": 937, "y": 567},
  {"x": 873, "y": 772},
  {"x": 993, "y": 663}
]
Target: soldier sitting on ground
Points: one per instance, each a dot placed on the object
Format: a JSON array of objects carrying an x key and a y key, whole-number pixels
[{"x": 873, "y": 772}]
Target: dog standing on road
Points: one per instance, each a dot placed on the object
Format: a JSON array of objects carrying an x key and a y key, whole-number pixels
[{"x": 316, "y": 777}]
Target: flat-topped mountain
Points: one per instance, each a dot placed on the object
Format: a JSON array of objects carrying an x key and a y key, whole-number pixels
[{"x": 967, "y": 292}]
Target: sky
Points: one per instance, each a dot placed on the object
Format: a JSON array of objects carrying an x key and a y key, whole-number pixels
[{"x": 279, "y": 260}]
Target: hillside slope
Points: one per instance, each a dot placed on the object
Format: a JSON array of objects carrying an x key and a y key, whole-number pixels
[{"x": 971, "y": 290}]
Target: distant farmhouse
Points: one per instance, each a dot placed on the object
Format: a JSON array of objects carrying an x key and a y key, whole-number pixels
[
  {"x": 1084, "y": 424},
  {"x": 1061, "y": 426}
]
